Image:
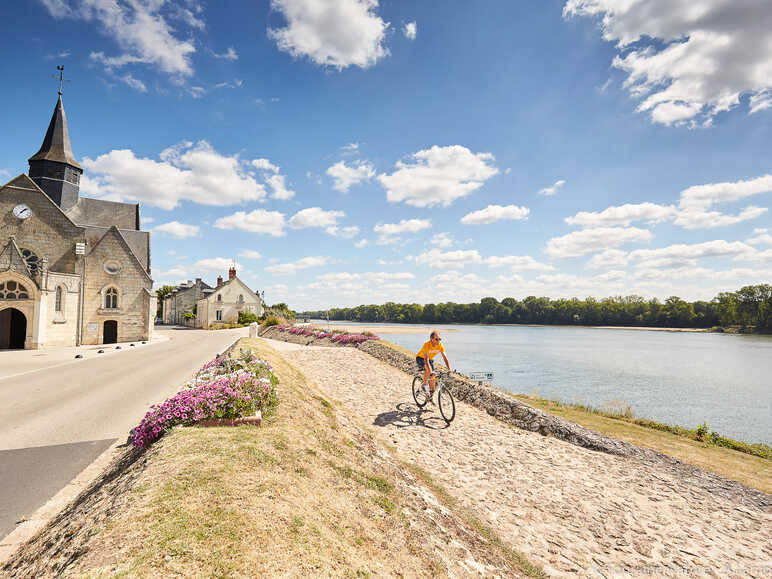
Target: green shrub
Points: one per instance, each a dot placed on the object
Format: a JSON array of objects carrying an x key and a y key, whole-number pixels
[
  {"x": 271, "y": 321},
  {"x": 246, "y": 318}
]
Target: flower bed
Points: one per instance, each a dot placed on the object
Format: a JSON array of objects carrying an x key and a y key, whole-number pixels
[
  {"x": 335, "y": 336},
  {"x": 223, "y": 388}
]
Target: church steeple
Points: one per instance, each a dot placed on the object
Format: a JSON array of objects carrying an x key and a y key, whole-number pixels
[{"x": 54, "y": 167}]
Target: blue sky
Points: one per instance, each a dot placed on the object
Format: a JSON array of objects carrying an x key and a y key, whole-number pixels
[{"x": 354, "y": 151}]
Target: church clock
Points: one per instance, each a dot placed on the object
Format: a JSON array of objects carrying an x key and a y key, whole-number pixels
[{"x": 21, "y": 211}]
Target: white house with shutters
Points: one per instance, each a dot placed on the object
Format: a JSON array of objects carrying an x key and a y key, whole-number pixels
[{"x": 222, "y": 304}]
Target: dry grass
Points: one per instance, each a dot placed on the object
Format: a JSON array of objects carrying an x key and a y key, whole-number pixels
[
  {"x": 750, "y": 470},
  {"x": 306, "y": 495}
]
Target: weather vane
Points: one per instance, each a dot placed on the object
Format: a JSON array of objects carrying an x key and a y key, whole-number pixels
[{"x": 62, "y": 80}]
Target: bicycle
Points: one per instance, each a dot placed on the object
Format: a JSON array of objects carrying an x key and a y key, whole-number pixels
[{"x": 444, "y": 398}]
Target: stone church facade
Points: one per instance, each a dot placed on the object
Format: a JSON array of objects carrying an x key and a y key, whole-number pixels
[{"x": 73, "y": 270}]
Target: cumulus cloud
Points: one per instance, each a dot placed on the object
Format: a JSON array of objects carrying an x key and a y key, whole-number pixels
[
  {"x": 760, "y": 237},
  {"x": 315, "y": 217},
  {"x": 553, "y": 189},
  {"x": 624, "y": 215},
  {"x": 251, "y": 254},
  {"x": 265, "y": 165},
  {"x": 681, "y": 255},
  {"x": 279, "y": 188},
  {"x": 696, "y": 202},
  {"x": 334, "y": 33},
  {"x": 587, "y": 241},
  {"x": 141, "y": 30},
  {"x": 438, "y": 176},
  {"x": 187, "y": 171},
  {"x": 179, "y": 230},
  {"x": 345, "y": 177},
  {"x": 608, "y": 259},
  {"x": 134, "y": 83},
  {"x": 295, "y": 266},
  {"x": 688, "y": 61},
  {"x": 345, "y": 232},
  {"x": 229, "y": 54},
  {"x": 361, "y": 243},
  {"x": 442, "y": 239},
  {"x": 202, "y": 266},
  {"x": 390, "y": 232},
  {"x": 517, "y": 263},
  {"x": 410, "y": 30},
  {"x": 257, "y": 221},
  {"x": 448, "y": 259},
  {"x": 493, "y": 213}
]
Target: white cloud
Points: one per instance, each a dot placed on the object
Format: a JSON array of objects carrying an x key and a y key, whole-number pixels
[
  {"x": 517, "y": 263},
  {"x": 345, "y": 177},
  {"x": 315, "y": 217},
  {"x": 410, "y": 30},
  {"x": 345, "y": 232},
  {"x": 761, "y": 238},
  {"x": 390, "y": 232},
  {"x": 681, "y": 255},
  {"x": 295, "y": 266},
  {"x": 350, "y": 149},
  {"x": 134, "y": 83},
  {"x": 552, "y": 190},
  {"x": 336, "y": 33},
  {"x": 597, "y": 239},
  {"x": 449, "y": 259},
  {"x": 624, "y": 215},
  {"x": 361, "y": 243},
  {"x": 257, "y": 221},
  {"x": 203, "y": 266},
  {"x": 186, "y": 171},
  {"x": 442, "y": 240},
  {"x": 229, "y": 54},
  {"x": 493, "y": 213},
  {"x": 438, "y": 176},
  {"x": 265, "y": 165},
  {"x": 139, "y": 28},
  {"x": 215, "y": 264},
  {"x": 608, "y": 259},
  {"x": 760, "y": 101},
  {"x": 688, "y": 60},
  {"x": 695, "y": 203},
  {"x": 251, "y": 254},
  {"x": 179, "y": 230},
  {"x": 279, "y": 188}
]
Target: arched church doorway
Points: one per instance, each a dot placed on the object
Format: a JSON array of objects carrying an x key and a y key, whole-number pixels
[
  {"x": 110, "y": 334},
  {"x": 13, "y": 329}
]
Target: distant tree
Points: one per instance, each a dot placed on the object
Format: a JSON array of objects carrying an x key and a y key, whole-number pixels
[{"x": 160, "y": 293}]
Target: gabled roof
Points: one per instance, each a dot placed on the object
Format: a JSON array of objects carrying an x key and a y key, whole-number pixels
[
  {"x": 230, "y": 281},
  {"x": 122, "y": 240},
  {"x": 56, "y": 144},
  {"x": 88, "y": 211},
  {"x": 12, "y": 259},
  {"x": 25, "y": 183}
]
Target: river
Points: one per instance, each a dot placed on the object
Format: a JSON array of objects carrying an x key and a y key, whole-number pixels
[{"x": 678, "y": 378}]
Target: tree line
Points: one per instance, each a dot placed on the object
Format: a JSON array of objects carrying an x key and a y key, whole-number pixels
[{"x": 750, "y": 307}]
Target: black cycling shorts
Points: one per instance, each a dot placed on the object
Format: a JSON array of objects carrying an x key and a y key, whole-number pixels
[{"x": 421, "y": 363}]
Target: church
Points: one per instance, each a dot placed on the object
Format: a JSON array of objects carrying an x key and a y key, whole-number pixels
[{"x": 73, "y": 270}]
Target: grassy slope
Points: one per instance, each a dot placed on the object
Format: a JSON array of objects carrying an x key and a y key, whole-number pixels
[
  {"x": 750, "y": 470},
  {"x": 301, "y": 496}
]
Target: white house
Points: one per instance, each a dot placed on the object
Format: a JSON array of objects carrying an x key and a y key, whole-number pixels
[{"x": 222, "y": 304}]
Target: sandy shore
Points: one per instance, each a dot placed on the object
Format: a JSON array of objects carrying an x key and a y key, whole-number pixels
[{"x": 571, "y": 510}]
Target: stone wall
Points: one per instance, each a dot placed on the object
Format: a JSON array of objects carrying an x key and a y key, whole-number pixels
[
  {"x": 61, "y": 327},
  {"x": 133, "y": 294},
  {"x": 229, "y": 304}
]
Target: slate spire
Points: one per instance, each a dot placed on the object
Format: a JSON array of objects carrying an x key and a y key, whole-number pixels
[
  {"x": 54, "y": 167},
  {"x": 56, "y": 144}
]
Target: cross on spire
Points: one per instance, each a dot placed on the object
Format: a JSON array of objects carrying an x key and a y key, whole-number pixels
[{"x": 60, "y": 68}]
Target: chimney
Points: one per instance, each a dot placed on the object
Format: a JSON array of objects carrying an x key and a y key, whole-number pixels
[
  {"x": 231, "y": 273},
  {"x": 219, "y": 280},
  {"x": 198, "y": 281}
]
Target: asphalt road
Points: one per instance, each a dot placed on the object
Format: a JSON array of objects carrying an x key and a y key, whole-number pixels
[{"x": 58, "y": 414}]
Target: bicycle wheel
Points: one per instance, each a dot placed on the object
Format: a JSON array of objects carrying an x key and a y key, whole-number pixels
[
  {"x": 419, "y": 394},
  {"x": 447, "y": 404}
]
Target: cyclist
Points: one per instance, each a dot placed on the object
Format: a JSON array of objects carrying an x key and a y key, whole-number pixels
[{"x": 428, "y": 351}]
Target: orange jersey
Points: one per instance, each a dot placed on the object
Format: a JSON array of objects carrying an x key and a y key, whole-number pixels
[{"x": 429, "y": 351}]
